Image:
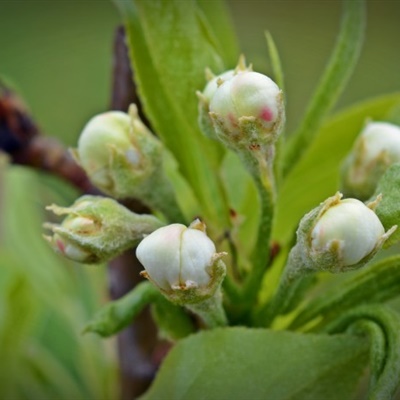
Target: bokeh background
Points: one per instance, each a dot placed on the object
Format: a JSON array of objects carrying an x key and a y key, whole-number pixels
[{"x": 57, "y": 54}]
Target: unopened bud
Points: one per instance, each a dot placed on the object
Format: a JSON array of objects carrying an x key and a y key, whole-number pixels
[
  {"x": 205, "y": 97},
  {"x": 97, "y": 229},
  {"x": 339, "y": 235},
  {"x": 182, "y": 262},
  {"x": 247, "y": 111},
  {"x": 119, "y": 154},
  {"x": 377, "y": 147}
]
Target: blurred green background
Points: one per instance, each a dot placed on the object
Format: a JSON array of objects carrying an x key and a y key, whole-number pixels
[{"x": 58, "y": 55}]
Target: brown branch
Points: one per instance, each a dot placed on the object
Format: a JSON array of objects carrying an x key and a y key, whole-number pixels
[{"x": 22, "y": 140}]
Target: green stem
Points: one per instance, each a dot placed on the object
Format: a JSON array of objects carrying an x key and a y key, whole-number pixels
[
  {"x": 118, "y": 314},
  {"x": 260, "y": 165},
  {"x": 210, "y": 311},
  {"x": 294, "y": 281}
]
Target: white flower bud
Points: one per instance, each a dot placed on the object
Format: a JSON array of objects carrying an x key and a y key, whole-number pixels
[
  {"x": 247, "y": 110},
  {"x": 350, "y": 228},
  {"x": 338, "y": 236},
  {"x": 377, "y": 147},
  {"x": 177, "y": 258},
  {"x": 215, "y": 82},
  {"x": 119, "y": 154},
  {"x": 205, "y": 97}
]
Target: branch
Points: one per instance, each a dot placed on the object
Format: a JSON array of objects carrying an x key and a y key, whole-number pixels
[{"x": 22, "y": 140}]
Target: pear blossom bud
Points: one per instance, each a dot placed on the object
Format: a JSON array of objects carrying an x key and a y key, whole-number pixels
[
  {"x": 97, "y": 229},
  {"x": 339, "y": 235},
  {"x": 119, "y": 154},
  {"x": 205, "y": 97},
  {"x": 182, "y": 262},
  {"x": 377, "y": 147},
  {"x": 247, "y": 111}
]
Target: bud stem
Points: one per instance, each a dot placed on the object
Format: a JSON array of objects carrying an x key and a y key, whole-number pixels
[
  {"x": 210, "y": 311},
  {"x": 259, "y": 162},
  {"x": 293, "y": 282}
]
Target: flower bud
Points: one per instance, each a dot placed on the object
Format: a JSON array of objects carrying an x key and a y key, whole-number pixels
[
  {"x": 377, "y": 147},
  {"x": 247, "y": 111},
  {"x": 182, "y": 262},
  {"x": 339, "y": 235},
  {"x": 97, "y": 229},
  {"x": 119, "y": 154},
  {"x": 205, "y": 122}
]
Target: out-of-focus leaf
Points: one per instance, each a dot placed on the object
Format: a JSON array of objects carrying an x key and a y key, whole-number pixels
[
  {"x": 219, "y": 24},
  {"x": 275, "y": 61},
  {"x": 240, "y": 363},
  {"x": 16, "y": 325},
  {"x": 316, "y": 176},
  {"x": 71, "y": 294},
  {"x": 337, "y": 73},
  {"x": 170, "y": 49}
]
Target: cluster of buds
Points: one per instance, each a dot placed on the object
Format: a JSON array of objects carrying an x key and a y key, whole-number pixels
[
  {"x": 97, "y": 229},
  {"x": 242, "y": 108},
  {"x": 339, "y": 235},
  {"x": 376, "y": 148}
]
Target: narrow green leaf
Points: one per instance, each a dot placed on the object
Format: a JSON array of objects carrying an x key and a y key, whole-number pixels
[
  {"x": 276, "y": 65},
  {"x": 388, "y": 209},
  {"x": 170, "y": 50},
  {"x": 219, "y": 22},
  {"x": 336, "y": 75},
  {"x": 375, "y": 284},
  {"x": 240, "y": 363},
  {"x": 118, "y": 314},
  {"x": 316, "y": 176}
]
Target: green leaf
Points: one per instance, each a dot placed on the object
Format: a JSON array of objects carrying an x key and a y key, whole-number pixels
[
  {"x": 375, "y": 284},
  {"x": 388, "y": 209},
  {"x": 316, "y": 176},
  {"x": 118, "y": 314},
  {"x": 387, "y": 378},
  {"x": 170, "y": 48},
  {"x": 219, "y": 24},
  {"x": 336, "y": 75},
  {"x": 275, "y": 61},
  {"x": 240, "y": 363}
]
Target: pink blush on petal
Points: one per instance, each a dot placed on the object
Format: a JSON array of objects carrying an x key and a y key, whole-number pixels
[{"x": 266, "y": 114}]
